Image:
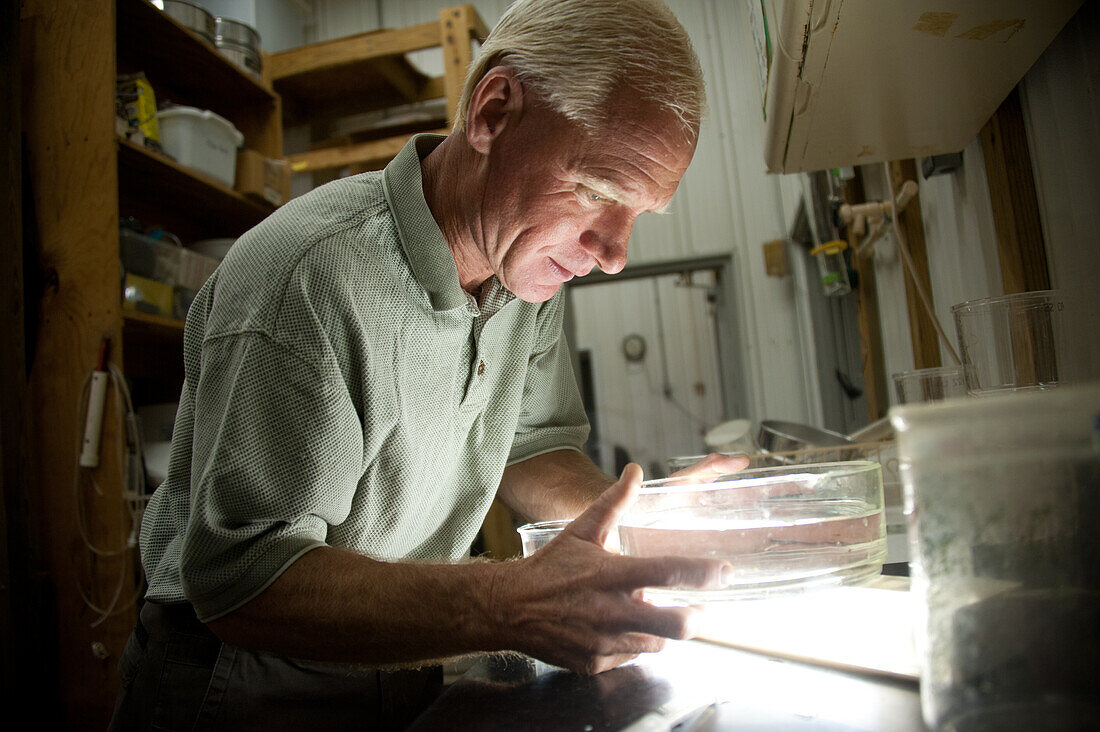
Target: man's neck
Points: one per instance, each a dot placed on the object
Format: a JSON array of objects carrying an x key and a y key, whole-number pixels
[{"x": 445, "y": 172}]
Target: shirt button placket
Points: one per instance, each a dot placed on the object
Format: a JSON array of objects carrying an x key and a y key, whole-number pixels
[{"x": 481, "y": 368}]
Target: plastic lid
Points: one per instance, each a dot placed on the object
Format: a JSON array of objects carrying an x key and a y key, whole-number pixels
[
  {"x": 206, "y": 114},
  {"x": 727, "y": 432},
  {"x": 830, "y": 247}
]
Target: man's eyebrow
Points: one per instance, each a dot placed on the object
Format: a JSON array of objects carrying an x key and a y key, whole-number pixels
[{"x": 610, "y": 189}]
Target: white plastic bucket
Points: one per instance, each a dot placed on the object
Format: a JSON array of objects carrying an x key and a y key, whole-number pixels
[{"x": 201, "y": 139}]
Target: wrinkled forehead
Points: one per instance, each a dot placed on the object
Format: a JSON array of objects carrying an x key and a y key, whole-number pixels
[{"x": 639, "y": 161}]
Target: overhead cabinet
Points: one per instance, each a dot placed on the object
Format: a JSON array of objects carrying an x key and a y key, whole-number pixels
[{"x": 850, "y": 82}]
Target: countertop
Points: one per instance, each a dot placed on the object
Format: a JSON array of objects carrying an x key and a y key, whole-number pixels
[{"x": 691, "y": 686}]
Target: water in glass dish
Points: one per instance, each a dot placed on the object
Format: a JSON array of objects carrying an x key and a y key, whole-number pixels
[{"x": 795, "y": 544}]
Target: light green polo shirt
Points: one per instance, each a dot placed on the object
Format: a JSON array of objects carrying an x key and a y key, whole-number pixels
[{"x": 342, "y": 389}]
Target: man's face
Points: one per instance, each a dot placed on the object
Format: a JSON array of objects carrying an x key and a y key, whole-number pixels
[{"x": 560, "y": 201}]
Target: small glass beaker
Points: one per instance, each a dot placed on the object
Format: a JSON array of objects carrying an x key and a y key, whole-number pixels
[
  {"x": 930, "y": 385},
  {"x": 1012, "y": 342},
  {"x": 537, "y": 535}
]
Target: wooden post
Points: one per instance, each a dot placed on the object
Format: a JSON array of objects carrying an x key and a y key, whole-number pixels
[
  {"x": 1015, "y": 203},
  {"x": 870, "y": 327},
  {"x": 69, "y": 82},
  {"x": 926, "y": 347},
  {"x": 458, "y": 26}
]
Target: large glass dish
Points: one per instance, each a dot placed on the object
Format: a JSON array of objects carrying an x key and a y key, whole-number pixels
[{"x": 785, "y": 529}]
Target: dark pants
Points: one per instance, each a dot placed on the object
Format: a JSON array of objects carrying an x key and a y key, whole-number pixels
[{"x": 177, "y": 675}]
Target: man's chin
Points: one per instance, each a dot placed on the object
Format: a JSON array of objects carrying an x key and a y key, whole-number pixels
[{"x": 536, "y": 293}]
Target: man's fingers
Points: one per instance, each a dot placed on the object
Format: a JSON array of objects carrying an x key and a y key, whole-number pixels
[
  {"x": 714, "y": 464},
  {"x": 597, "y": 522},
  {"x": 698, "y": 573}
]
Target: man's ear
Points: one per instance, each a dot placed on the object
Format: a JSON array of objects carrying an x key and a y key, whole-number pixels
[{"x": 496, "y": 102}]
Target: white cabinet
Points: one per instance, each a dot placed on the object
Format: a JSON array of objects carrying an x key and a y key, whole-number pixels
[{"x": 851, "y": 82}]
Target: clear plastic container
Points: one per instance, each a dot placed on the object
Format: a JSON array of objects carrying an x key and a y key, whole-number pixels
[
  {"x": 832, "y": 267},
  {"x": 930, "y": 385},
  {"x": 537, "y": 535},
  {"x": 1002, "y": 497},
  {"x": 1013, "y": 341},
  {"x": 784, "y": 529}
]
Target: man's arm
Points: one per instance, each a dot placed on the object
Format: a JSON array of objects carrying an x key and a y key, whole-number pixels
[
  {"x": 561, "y": 484},
  {"x": 572, "y": 604},
  {"x": 553, "y": 485}
]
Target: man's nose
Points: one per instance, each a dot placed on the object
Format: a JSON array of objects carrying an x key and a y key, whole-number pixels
[{"x": 607, "y": 242}]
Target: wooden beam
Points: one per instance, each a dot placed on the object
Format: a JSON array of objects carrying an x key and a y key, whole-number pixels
[
  {"x": 478, "y": 28},
  {"x": 352, "y": 49},
  {"x": 1015, "y": 204},
  {"x": 872, "y": 356},
  {"x": 72, "y": 167},
  {"x": 926, "y": 347},
  {"x": 458, "y": 27},
  {"x": 363, "y": 153},
  {"x": 306, "y": 110}
]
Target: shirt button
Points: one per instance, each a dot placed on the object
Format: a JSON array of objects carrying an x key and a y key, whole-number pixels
[{"x": 481, "y": 368}]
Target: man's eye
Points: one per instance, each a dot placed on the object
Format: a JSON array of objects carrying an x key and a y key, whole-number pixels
[{"x": 594, "y": 197}]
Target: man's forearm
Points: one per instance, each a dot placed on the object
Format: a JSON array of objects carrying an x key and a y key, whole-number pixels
[
  {"x": 335, "y": 605},
  {"x": 572, "y": 604},
  {"x": 554, "y": 485}
]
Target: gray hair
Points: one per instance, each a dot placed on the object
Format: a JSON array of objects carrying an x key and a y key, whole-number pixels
[{"x": 574, "y": 54}]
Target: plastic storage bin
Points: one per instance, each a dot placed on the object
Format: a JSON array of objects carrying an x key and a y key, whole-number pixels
[{"x": 201, "y": 139}]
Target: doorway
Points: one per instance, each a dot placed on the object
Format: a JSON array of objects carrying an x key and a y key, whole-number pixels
[{"x": 654, "y": 373}]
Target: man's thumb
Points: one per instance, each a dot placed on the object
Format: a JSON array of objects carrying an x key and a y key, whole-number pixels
[{"x": 600, "y": 518}]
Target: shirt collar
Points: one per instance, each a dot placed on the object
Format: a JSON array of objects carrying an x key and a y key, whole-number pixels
[{"x": 430, "y": 258}]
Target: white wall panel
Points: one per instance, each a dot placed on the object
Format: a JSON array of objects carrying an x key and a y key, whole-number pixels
[{"x": 1061, "y": 100}]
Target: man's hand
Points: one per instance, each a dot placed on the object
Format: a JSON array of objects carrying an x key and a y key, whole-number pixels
[
  {"x": 578, "y": 606},
  {"x": 714, "y": 464}
]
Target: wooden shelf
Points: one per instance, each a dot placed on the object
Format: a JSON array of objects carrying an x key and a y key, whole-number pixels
[
  {"x": 371, "y": 155},
  {"x": 143, "y": 321},
  {"x": 216, "y": 209},
  {"x": 322, "y": 82},
  {"x": 185, "y": 69},
  {"x": 172, "y": 55}
]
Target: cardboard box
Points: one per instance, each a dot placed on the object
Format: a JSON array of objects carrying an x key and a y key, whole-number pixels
[
  {"x": 146, "y": 296},
  {"x": 262, "y": 177}
]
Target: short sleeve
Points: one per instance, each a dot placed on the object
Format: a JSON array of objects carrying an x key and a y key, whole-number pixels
[
  {"x": 551, "y": 413},
  {"x": 277, "y": 456}
]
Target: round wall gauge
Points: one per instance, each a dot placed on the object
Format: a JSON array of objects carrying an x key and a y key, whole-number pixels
[{"x": 634, "y": 348}]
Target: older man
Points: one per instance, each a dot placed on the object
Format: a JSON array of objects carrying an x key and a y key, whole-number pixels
[{"x": 376, "y": 361}]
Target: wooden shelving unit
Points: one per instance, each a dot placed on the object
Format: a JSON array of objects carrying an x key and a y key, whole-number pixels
[
  {"x": 159, "y": 323},
  {"x": 83, "y": 179},
  {"x": 323, "y": 82},
  {"x": 146, "y": 176}
]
